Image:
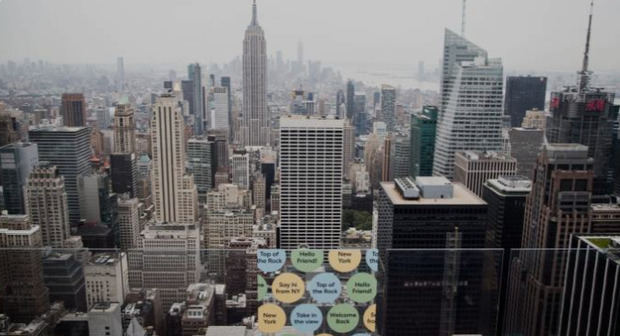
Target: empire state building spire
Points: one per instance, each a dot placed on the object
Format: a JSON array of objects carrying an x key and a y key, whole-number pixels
[
  {"x": 254, "y": 19},
  {"x": 255, "y": 128}
]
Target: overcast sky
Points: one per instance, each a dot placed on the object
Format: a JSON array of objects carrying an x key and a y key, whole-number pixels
[{"x": 537, "y": 35}]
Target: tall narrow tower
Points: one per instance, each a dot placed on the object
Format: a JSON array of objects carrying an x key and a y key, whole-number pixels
[
  {"x": 255, "y": 128},
  {"x": 124, "y": 128},
  {"x": 470, "y": 115},
  {"x": 174, "y": 192},
  {"x": 585, "y": 114}
]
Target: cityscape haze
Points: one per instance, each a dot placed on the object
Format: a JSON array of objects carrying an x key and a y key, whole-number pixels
[{"x": 263, "y": 167}]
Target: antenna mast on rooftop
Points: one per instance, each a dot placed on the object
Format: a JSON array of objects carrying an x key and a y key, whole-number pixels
[{"x": 584, "y": 74}]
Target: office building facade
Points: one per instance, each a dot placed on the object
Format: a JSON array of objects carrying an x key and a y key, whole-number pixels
[
  {"x": 470, "y": 117},
  {"x": 437, "y": 291},
  {"x": 124, "y": 173},
  {"x": 174, "y": 192},
  {"x": 388, "y": 106},
  {"x": 46, "y": 204},
  {"x": 16, "y": 162},
  {"x": 523, "y": 93},
  {"x": 505, "y": 197},
  {"x": 557, "y": 207},
  {"x": 422, "y": 141},
  {"x": 67, "y": 148},
  {"x": 124, "y": 129},
  {"x": 473, "y": 169},
  {"x": 73, "y": 109},
  {"x": 23, "y": 294},
  {"x": 589, "y": 305},
  {"x": 311, "y": 172}
]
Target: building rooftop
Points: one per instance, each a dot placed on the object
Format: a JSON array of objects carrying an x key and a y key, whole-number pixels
[
  {"x": 511, "y": 184},
  {"x": 105, "y": 259},
  {"x": 299, "y": 121},
  {"x": 487, "y": 155},
  {"x": 104, "y": 307},
  {"x": 461, "y": 195},
  {"x": 55, "y": 256},
  {"x": 16, "y": 145},
  {"x": 53, "y": 128},
  {"x": 566, "y": 150}
]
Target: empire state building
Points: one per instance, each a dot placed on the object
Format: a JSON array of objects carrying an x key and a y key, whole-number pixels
[{"x": 255, "y": 126}]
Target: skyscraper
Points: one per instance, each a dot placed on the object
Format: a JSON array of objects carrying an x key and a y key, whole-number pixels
[
  {"x": 400, "y": 159},
  {"x": 123, "y": 165},
  {"x": 23, "y": 295},
  {"x": 200, "y": 165},
  {"x": 506, "y": 197},
  {"x": 220, "y": 113},
  {"x": 225, "y": 82},
  {"x": 558, "y": 206},
  {"x": 311, "y": 171},
  {"x": 128, "y": 222},
  {"x": 124, "y": 173},
  {"x": 175, "y": 246},
  {"x": 589, "y": 305},
  {"x": 584, "y": 114},
  {"x": 473, "y": 168},
  {"x": 256, "y": 123},
  {"x": 359, "y": 119},
  {"x": 46, "y": 204},
  {"x": 196, "y": 102},
  {"x": 12, "y": 124},
  {"x": 525, "y": 144},
  {"x": 16, "y": 162},
  {"x": 124, "y": 128},
  {"x": 240, "y": 166},
  {"x": 64, "y": 277},
  {"x": 174, "y": 192},
  {"x": 523, "y": 93},
  {"x": 438, "y": 292},
  {"x": 67, "y": 148},
  {"x": 349, "y": 146},
  {"x": 422, "y": 141},
  {"x": 388, "y": 106},
  {"x": 73, "y": 109},
  {"x": 350, "y": 100},
  {"x": 470, "y": 116}
]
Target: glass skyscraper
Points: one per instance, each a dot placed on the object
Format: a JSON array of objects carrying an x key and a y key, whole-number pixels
[{"x": 471, "y": 103}]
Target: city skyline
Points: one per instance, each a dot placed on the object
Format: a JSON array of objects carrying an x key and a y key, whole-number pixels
[
  {"x": 416, "y": 33},
  {"x": 273, "y": 195}
]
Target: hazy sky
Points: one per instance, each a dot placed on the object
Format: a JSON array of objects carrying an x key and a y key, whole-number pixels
[{"x": 528, "y": 34}]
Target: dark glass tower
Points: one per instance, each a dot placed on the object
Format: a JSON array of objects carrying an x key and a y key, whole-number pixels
[
  {"x": 431, "y": 291},
  {"x": 422, "y": 141},
  {"x": 64, "y": 277},
  {"x": 523, "y": 93},
  {"x": 124, "y": 173},
  {"x": 350, "y": 100},
  {"x": 16, "y": 163},
  {"x": 506, "y": 199}
]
